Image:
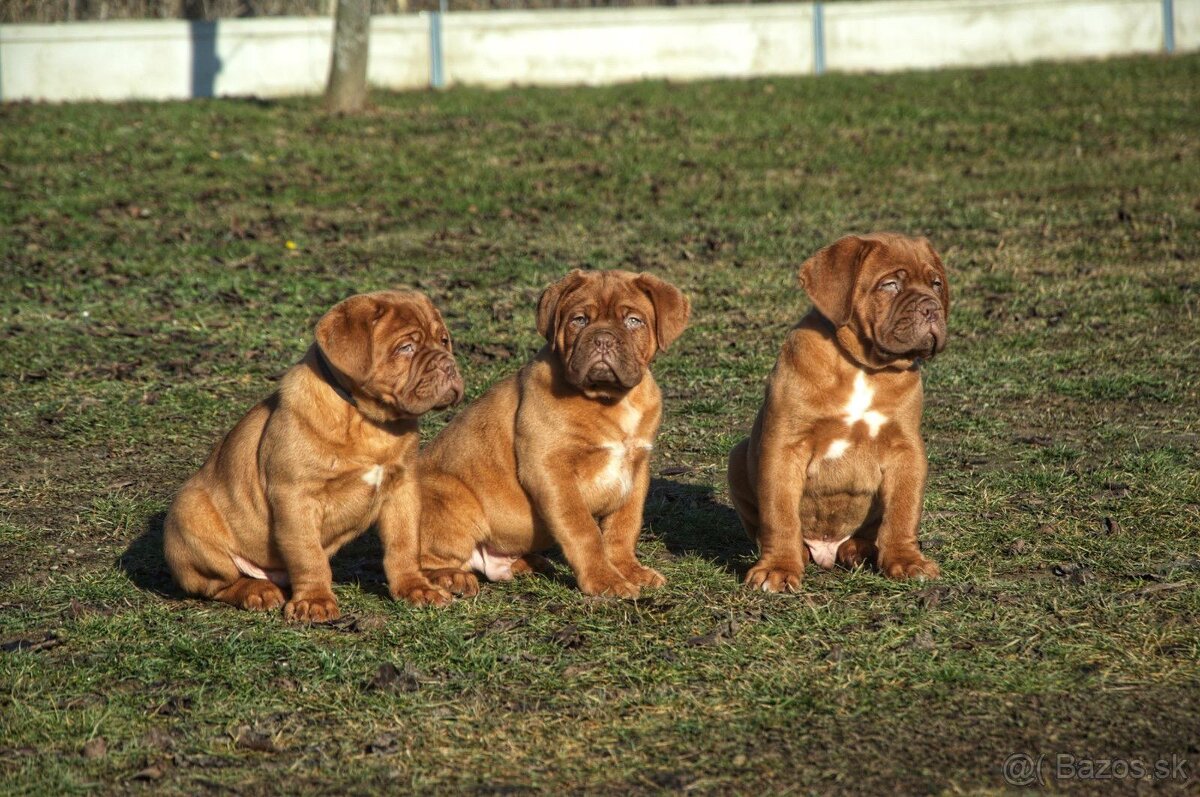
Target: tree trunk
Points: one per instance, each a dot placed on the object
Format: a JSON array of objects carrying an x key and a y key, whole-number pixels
[{"x": 346, "y": 91}]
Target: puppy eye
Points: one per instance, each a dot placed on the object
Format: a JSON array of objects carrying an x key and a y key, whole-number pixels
[
  {"x": 633, "y": 322},
  {"x": 579, "y": 321},
  {"x": 937, "y": 284},
  {"x": 890, "y": 286},
  {"x": 445, "y": 340},
  {"x": 405, "y": 350}
]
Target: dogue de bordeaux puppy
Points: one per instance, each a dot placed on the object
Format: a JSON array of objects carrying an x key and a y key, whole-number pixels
[
  {"x": 314, "y": 465},
  {"x": 834, "y": 467},
  {"x": 559, "y": 453}
]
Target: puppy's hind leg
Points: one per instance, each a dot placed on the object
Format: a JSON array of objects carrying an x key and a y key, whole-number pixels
[
  {"x": 532, "y": 564},
  {"x": 856, "y": 552},
  {"x": 196, "y": 545},
  {"x": 450, "y": 521},
  {"x": 255, "y": 594},
  {"x": 740, "y": 491}
]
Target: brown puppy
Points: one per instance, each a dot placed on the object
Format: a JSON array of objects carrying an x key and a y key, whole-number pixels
[
  {"x": 558, "y": 453},
  {"x": 315, "y": 464},
  {"x": 835, "y": 465}
]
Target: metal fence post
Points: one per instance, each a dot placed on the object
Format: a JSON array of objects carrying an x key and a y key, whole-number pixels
[
  {"x": 437, "y": 73},
  {"x": 819, "y": 37},
  {"x": 1168, "y": 11}
]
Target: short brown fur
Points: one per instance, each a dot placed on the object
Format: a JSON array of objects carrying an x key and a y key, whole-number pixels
[
  {"x": 835, "y": 454},
  {"x": 558, "y": 453},
  {"x": 318, "y": 462}
]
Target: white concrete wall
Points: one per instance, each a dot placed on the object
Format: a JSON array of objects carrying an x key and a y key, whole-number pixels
[
  {"x": 175, "y": 59},
  {"x": 95, "y": 61},
  {"x": 889, "y": 35},
  {"x": 281, "y": 56},
  {"x": 399, "y": 52},
  {"x": 1187, "y": 25},
  {"x": 608, "y": 46}
]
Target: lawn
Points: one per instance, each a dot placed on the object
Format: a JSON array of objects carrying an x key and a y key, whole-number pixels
[{"x": 164, "y": 263}]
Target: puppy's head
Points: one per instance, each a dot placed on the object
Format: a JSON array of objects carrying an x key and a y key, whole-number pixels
[
  {"x": 606, "y": 326},
  {"x": 889, "y": 290},
  {"x": 391, "y": 351}
]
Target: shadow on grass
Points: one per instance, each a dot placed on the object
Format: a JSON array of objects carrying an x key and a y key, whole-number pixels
[
  {"x": 691, "y": 521},
  {"x": 361, "y": 561},
  {"x": 686, "y": 517},
  {"x": 144, "y": 564}
]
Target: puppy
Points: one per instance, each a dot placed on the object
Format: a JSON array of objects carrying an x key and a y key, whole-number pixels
[
  {"x": 834, "y": 467},
  {"x": 314, "y": 465},
  {"x": 559, "y": 453}
]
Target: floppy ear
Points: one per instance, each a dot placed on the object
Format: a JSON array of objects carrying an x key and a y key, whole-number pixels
[
  {"x": 547, "y": 308},
  {"x": 346, "y": 336},
  {"x": 671, "y": 308},
  {"x": 941, "y": 269},
  {"x": 830, "y": 275}
]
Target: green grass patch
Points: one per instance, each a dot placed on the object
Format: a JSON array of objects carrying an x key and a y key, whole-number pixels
[{"x": 163, "y": 263}]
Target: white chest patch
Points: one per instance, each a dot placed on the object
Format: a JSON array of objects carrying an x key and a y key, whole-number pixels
[
  {"x": 374, "y": 476},
  {"x": 858, "y": 408},
  {"x": 836, "y": 449},
  {"x": 617, "y": 473}
]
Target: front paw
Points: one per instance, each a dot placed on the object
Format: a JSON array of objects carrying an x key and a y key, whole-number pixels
[
  {"x": 608, "y": 582},
  {"x": 420, "y": 592},
  {"x": 314, "y": 609},
  {"x": 458, "y": 582},
  {"x": 911, "y": 566},
  {"x": 637, "y": 573},
  {"x": 776, "y": 576}
]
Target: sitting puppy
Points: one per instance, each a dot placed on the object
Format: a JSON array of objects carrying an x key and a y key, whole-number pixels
[
  {"x": 558, "y": 453},
  {"x": 319, "y": 461},
  {"x": 835, "y": 465}
]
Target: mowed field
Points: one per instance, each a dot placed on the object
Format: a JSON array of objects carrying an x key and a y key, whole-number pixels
[{"x": 164, "y": 263}]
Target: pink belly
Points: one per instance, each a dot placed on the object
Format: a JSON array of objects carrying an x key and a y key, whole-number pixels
[
  {"x": 492, "y": 564},
  {"x": 824, "y": 552},
  {"x": 251, "y": 570}
]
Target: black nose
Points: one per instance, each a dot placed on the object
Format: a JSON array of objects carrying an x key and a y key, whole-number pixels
[{"x": 604, "y": 341}]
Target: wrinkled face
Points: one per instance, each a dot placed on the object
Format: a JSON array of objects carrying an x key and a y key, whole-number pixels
[
  {"x": 607, "y": 326},
  {"x": 392, "y": 351},
  {"x": 903, "y": 301},
  {"x": 889, "y": 289}
]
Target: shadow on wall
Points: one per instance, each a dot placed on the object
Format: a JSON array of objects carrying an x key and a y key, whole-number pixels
[{"x": 205, "y": 63}]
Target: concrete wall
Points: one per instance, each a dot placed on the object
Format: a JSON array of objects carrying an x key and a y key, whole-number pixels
[
  {"x": 606, "y": 45},
  {"x": 281, "y": 56},
  {"x": 1187, "y": 25},
  {"x": 170, "y": 59},
  {"x": 399, "y": 52},
  {"x": 927, "y": 34}
]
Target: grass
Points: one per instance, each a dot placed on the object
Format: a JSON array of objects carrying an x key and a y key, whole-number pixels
[{"x": 150, "y": 295}]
